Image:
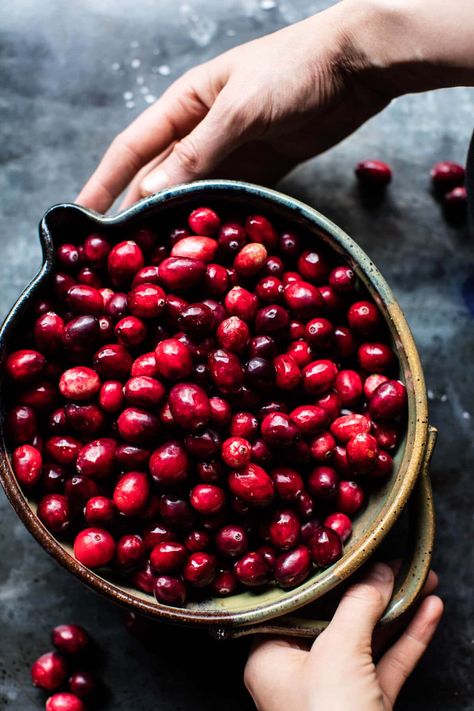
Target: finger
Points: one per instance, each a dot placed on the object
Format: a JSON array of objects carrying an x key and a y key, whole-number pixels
[
  {"x": 361, "y": 608},
  {"x": 133, "y": 193},
  {"x": 175, "y": 114},
  {"x": 398, "y": 663},
  {"x": 267, "y": 655},
  {"x": 222, "y": 130}
]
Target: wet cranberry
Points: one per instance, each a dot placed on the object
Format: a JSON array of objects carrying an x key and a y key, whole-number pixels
[
  {"x": 96, "y": 250},
  {"x": 455, "y": 205},
  {"x": 375, "y": 357},
  {"x": 340, "y": 462},
  {"x": 309, "y": 419},
  {"x": 85, "y": 419},
  {"x": 124, "y": 261},
  {"x": 81, "y": 334},
  {"x": 372, "y": 382},
  {"x": 207, "y": 499},
  {"x": 203, "y": 248},
  {"x": 180, "y": 273},
  {"x": 197, "y": 541},
  {"x": 242, "y": 303},
  {"x": 89, "y": 277},
  {"x": 83, "y": 684},
  {"x": 143, "y": 391},
  {"x": 287, "y": 372},
  {"x": 259, "y": 229},
  {"x": 301, "y": 352},
  {"x": 244, "y": 424},
  {"x": 99, "y": 511},
  {"x": 277, "y": 429},
  {"x": 252, "y": 569},
  {"x": 197, "y": 320},
  {"x": 271, "y": 320},
  {"x": 373, "y": 173},
  {"x": 70, "y": 639},
  {"x": 48, "y": 332},
  {"x": 231, "y": 238},
  {"x": 269, "y": 290},
  {"x": 61, "y": 284},
  {"x": 362, "y": 451},
  {"x": 388, "y": 401},
  {"x": 383, "y": 465},
  {"x": 216, "y": 280},
  {"x": 42, "y": 397},
  {"x": 221, "y": 412},
  {"x": 296, "y": 330},
  {"x": 144, "y": 579},
  {"x": 446, "y": 175},
  {"x": 168, "y": 556},
  {"x": 308, "y": 529},
  {"x": 200, "y": 569},
  {"x": 53, "y": 510},
  {"x": 79, "y": 383},
  {"x": 97, "y": 458},
  {"x": 364, "y": 318},
  {"x": 204, "y": 221},
  {"x": 333, "y": 304},
  {"x": 137, "y": 426},
  {"x": 129, "y": 456},
  {"x": 64, "y": 701},
  {"x": 170, "y": 590},
  {"x": 319, "y": 376},
  {"x": 63, "y": 449},
  {"x": 348, "y": 385},
  {"x": 53, "y": 478},
  {"x": 173, "y": 359},
  {"x": 326, "y": 547},
  {"x": 347, "y": 426},
  {"x": 84, "y": 299},
  {"x": 340, "y": 524},
  {"x": 189, "y": 406},
  {"x": 146, "y": 300},
  {"x": 342, "y": 279},
  {"x": 24, "y": 366},
  {"x": 225, "y": 583},
  {"x": 260, "y": 374},
  {"x": 231, "y": 540},
  {"x": 350, "y": 497},
  {"x": 233, "y": 334},
  {"x": 236, "y": 452},
  {"x": 169, "y": 464},
  {"x": 130, "y": 331},
  {"x": 323, "y": 482},
  {"x": 226, "y": 371},
  {"x": 290, "y": 244},
  {"x": 147, "y": 275},
  {"x": 293, "y": 567},
  {"x": 49, "y": 671},
  {"x": 386, "y": 435},
  {"x": 113, "y": 361},
  {"x": 319, "y": 332},
  {"x": 288, "y": 483},
  {"x": 117, "y": 306},
  {"x": 144, "y": 365},
  {"x": 313, "y": 267},
  {"x": 67, "y": 256},
  {"x": 131, "y": 493},
  {"x": 322, "y": 447},
  {"x": 176, "y": 511},
  {"x": 284, "y": 529},
  {"x": 78, "y": 490},
  {"x": 27, "y": 464},
  {"x": 303, "y": 299},
  {"x": 344, "y": 342},
  {"x": 252, "y": 484},
  {"x": 94, "y": 547}
]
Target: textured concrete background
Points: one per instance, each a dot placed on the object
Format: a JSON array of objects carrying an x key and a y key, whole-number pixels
[{"x": 71, "y": 76}]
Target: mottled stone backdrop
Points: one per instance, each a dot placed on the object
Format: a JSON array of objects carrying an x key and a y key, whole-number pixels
[{"x": 71, "y": 76}]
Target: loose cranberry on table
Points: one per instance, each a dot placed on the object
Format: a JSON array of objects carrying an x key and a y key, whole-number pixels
[
  {"x": 65, "y": 701},
  {"x": 447, "y": 175},
  {"x": 184, "y": 410},
  {"x": 373, "y": 173},
  {"x": 70, "y": 639},
  {"x": 49, "y": 671}
]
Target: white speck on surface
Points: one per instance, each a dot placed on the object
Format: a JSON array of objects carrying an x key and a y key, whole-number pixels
[
  {"x": 156, "y": 51},
  {"x": 140, "y": 80},
  {"x": 150, "y": 99},
  {"x": 466, "y": 415},
  {"x": 130, "y": 104},
  {"x": 444, "y": 398},
  {"x": 134, "y": 44},
  {"x": 127, "y": 95},
  {"x": 135, "y": 63},
  {"x": 201, "y": 29},
  {"x": 431, "y": 395},
  {"x": 144, "y": 90},
  {"x": 164, "y": 70},
  {"x": 230, "y": 33},
  {"x": 115, "y": 66},
  {"x": 268, "y": 4}
]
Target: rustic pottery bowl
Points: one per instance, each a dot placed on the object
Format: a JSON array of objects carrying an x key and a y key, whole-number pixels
[{"x": 247, "y": 611}]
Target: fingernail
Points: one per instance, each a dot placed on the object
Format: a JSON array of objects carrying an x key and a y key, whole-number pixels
[
  {"x": 382, "y": 572},
  {"x": 154, "y": 182}
]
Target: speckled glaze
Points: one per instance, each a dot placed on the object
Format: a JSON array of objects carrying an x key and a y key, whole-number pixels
[{"x": 243, "y": 612}]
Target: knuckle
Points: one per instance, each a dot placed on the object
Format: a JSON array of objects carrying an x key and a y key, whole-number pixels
[
  {"x": 366, "y": 593},
  {"x": 187, "y": 155}
]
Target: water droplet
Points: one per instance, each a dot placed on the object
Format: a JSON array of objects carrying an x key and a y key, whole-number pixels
[
  {"x": 156, "y": 51},
  {"x": 144, "y": 90},
  {"x": 431, "y": 395},
  {"x": 134, "y": 44},
  {"x": 164, "y": 70},
  {"x": 140, "y": 80},
  {"x": 127, "y": 95},
  {"x": 130, "y": 104},
  {"x": 466, "y": 415},
  {"x": 115, "y": 66},
  {"x": 150, "y": 99},
  {"x": 135, "y": 63},
  {"x": 444, "y": 398},
  {"x": 267, "y": 4},
  {"x": 230, "y": 33}
]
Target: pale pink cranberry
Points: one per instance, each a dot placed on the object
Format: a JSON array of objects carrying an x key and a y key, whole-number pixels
[
  {"x": 168, "y": 556},
  {"x": 94, "y": 547},
  {"x": 200, "y": 569},
  {"x": 252, "y": 484},
  {"x": 204, "y": 221},
  {"x": 350, "y": 497},
  {"x": 252, "y": 569},
  {"x": 189, "y": 405},
  {"x": 242, "y": 303},
  {"x": 203, "y": 248},
  {"x": 347, "y": 426},
  {"x": 49, "y": 671},
  {"x": 313, "y": 267},
  {"x": 373, "y": 173},
  {"x": 124, "y": 261},
  {"x": 79, "y": 383},
  {"x": 348, "y": 385},
  {"x": 250, "y": 260},
  {"x": 388, "y": 401},
  {"x": 319, "y": 376},
  {"x": 375, "y": 357},
  {"x": 180, "y": 273},
  {"x": 131, "y": 493},
  {"x": 23, "y": 366},
  {"x": 326, "y": 547},
  {"x": 173, "y": 359},
  {"x": 293, "y": 567},
  {"x": 259, "y": 229},
  {"x": 27, "y": 464},
  {"x": 362, "y": 451},
  {"x": 288, "y": 374}
]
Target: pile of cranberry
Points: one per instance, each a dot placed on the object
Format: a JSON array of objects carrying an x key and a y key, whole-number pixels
[
  {"x": 204, "y": 409},
  {"x": 62, "y": 669}
]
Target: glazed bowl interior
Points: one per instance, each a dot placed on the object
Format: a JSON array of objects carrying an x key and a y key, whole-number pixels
[{"x": 385, "y": 503}]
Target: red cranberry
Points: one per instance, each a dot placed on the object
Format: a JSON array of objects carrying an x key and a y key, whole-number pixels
[
  {"x": 262, "y": 347},
  {"x": 225, "y": 583},
  {"x": 233, "y": 334},
  {"x": 319, "y": 332},
  {"x": 323, "y": 482},
  {"x": 350, "y": 497},
  {"x": 129, "y": 456},
  {"x": 80, "y": 383},
  {"x": 269, "y": 290},
  {"x": 89, "y": 277},
  {"x": 309, "y": 419},
  {"x": 78, "y": 490},
  {"x": 284, "y": 529},
  {"x": 48, "y": 332},
  {"x": 293, "y": 567},
  {"x": 373, "y": 173},
  {"x": 372, "y": 382},
  {"x": 231, "y": 238},
  {"x": 124, "y": 261},
  {"x": 290, "y": 244},
  {"x": 94, "y": 547},
  {"x": 226, "y": 371},
  {"x": 67, "y": 256},
  {"x": 340, "y": 462},
  {"x": 347, "y": 426},
  {"x": 364, "y": 318},
  {"x": 236, "y": 452},
  {"x": 81, "y": 334},
  {"x": 61, "y": 284},
  {"x": 99, "y": 511},
  {"x": 137, "y": 426},
  {"x": 375, "y": 357},
  {"x": 197, "y": 541},
  {"x": 53, "y": 479},
  {"x": 340, "y": 524},
  {"x": 84, "y": 419},
  {"x": 176, "y": 511},
  {"x": 113, "y": 361},
  {"x": 326, "y": 547},
  {"x": 64, "y": 701},
  {"x": 319, "y": 376},
  {"x": 277, "y": 429},
  {"x": 252, "y": 484},
  {"x": 131, "y": 493},
  {"x": 296, "y": 330},
  {"x": 231, "y": 540},
  {"x": 455, "y": 205},
  {"x": 244, "y": 424},
  {"x": 147, "y": 275},
  {"x": 204, "y": 221},
  {"x": 169, "y": 464},
  {"x": 207, "y": 499},
  {"x": 23, "y": 366},
  {"x": 173, "y": 359},
  {"x": 143, "y": 391},
  {"x": 84, "y": 299},
  {"x": 70, "y": 639},
  {"x": 117, "y": 306},
  {"x": 383, "y": 466},
  {"x": 189, "y": 406},
  {"x": 446, "y": 175},
  {"x": 53, "y": 510},
  {"x": 220, "y": 412},
  {"x": 322, "y": 447},
  {"x": 313, "y": 267},
  {"x": 49, "y": 671},
  {"x": 168, "y": 556},
  {"x": 27, "y": 464},
  {"x": 271, "y": 320},
  {"x": 144, "y": 365},
  {"x": 130, "y": 331},
  {"x": 200, "y": 569},
  {"x": 146, "y": 300},
  {"x": 252, "y": 569},
  {"x": 96, "y": 250},
  {"x": 63, "y": 449},
  {"x": 240, "y": 302},
  {"x": 333, "y": 304},
  {"x": 362, "y": 451},
  {"x": 250, "y": 260},
  {"x": 83, "y": 684},
  {"x": 303, "y": 299},
  {"x": 203, "y": 248},
  {"x": 288, "y": 374},
  {"x": 180, "y": 273},
  {"x": 259, "y": 229},
  {"x": 156, "y": 533},
  {"x": 144, "y": 579},
  {"x": 386, "y": 435},
  {"x": 308, "y": 529},
  {"x": 342, "y": 279},
  {"x": 197, "y": 320},
  {"x": 170, "y": 590},
  {"x": 216, "y": 280},
  {"x": 42, "y": 397},
  {"x": 288, "y": 483},
  {"x": 348, "y": 385},
  {"x": 301, "y": 352},
  {"x": 344, "y": 342},
  {"x": 388, "y": 401}
]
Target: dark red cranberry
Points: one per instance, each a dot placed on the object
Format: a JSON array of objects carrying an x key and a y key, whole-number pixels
[
  {"x": 446, "y": 175},
  {"x": 221, "y": 412},
  {"x": 199, "y": 569},
  {"x": 53, "y": 479},
  {"x": 131, "y": 493},
  {"x": 313, "y": 267},
  {"x": 79, "y": 383},
  {"x": 262, "y": 347},
  {"x": 25, "y": 365},
  {"x": 42, "y": 397},
  {"x": 156, "y": 533},
  {"x": 319, "y": 376},
  {"x": 455, "y": 205},
  {"x": 226, "y": 371},
  {"x": 147, "y": 275},
  {"x": 49, "y": 671},
  {"x": 333, "y": 303},
  {"x": 85, "y": 419},
  {"x": 347, "y": 426},
  {"x": 81, "y": 334},
  {"x": 83, "y": 684},
  {"x": 244, "y": 424},
  {"x": 189, "y": 406},
  {"x": 170, "y": 590},
  {"x": 63, "y": 449},
  {"x": 348, "y": 385},
  {"x": 113, "y": 361},
  {"x": 252, "y": 484},
  {"x": 340, "y": 524},
  {"x": 344, "y": 342},
  {"x": 350, "y": 497},
  {"x": 319, "y": 332},
  {"x": 373, "y": 173},
  {"x": 287, "y": 372},
  {"x": 231, "y": 540},
  {"x": 231, "y": 238},
  {"x": 144, "y": 579},
  {"x": 180, "y": 273},
  {"x": 96, "y": 250},
  {"x": 117, "y": 306},
  {"x": 271, "y": 320},
  {"x": 236, "y": 452},
  {"x": 322, "y": 447},
  {"x": 308, "y": 529},
  {"x": 288, "y": 483},
  {"x": 168, "y": 556},
  {"x": 197, "y": 541},
  {"x": 143, "y": 391},
  {"x": 309, "y": 419},
  {"x": 169, "y": 464},
  {"x": 323, "y": 482},
  {"x": 270, "y": 555},
  {"x": 129, "y": 456},
  {"x": 303, "y": 299},
  {"x": 260, "y": 374},
  {"x": 242, "y": 303},
  {"x": 375, "y": 357},
  {"x": 269, "y": 290},
  {"x": 289, "y": 277},
  {"x": 387, "y": 435},
  {"x": 383, "y": 466},
  {"x": 259, "y": 229},
  {"x": 216, "y": 280},
  {"x": 94, "y": 547},
  {"x": 388, "y": 401},
  {"x": 225, "y": 583},
  {"x": 84, "y": 299},
  {"x": 99, "y": 511},
  {"x": 48, "y": 332},
  {"x": 326, "y": 547},
  {"x": 293, "y": 567},
  {"x": 137, "y": 426},
  {"x": 64, "y": 701},
  {"x": 342, "y": 279},
  {"x": 61, "y": 285},
  {"x": 58, "y": 421},
  {"x": 70, "y": 639},
  {"x": 53, "y": 510},
  {"x": 124, "y": 261},
  {"x": 27, "y": 464},
  {"x": 278, "y": 430},
  {"x": 364, "y": 318},
  {"x": 67, "y": 257},
  {"x": 197, "y": 320},
  {"x": 290, "y": 244},
  {"x": 78, "y": 490},
  {"x": 252, "y": 569},
  {"x": 130, "y": 331},
  {"x": 176, "y": 511},
  {"x": 89, "y": 277}
]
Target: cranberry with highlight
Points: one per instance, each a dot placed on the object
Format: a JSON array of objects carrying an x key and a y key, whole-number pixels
[
  {"x": 79, "y": 383},
  {"x": 200, "y": 569},
  {"x": 204, "y": 221},
  {"x": 323, "y": 482},
  {"x": 27, "y": 464},
  {"x": 350, "y": 497},
  {"x": 231, "y": 540},
  {"x": 313, "y": 267},
  {"x": 293, "y": 567},
  {"x": 303, "y": 299},
  {"x": 284, "y": 529},
  {"x": 124, "y": 261},
  {"x": 49, "y": 671},
  {"x": 54, "y": 511},
  {"x": 373, "y": 174},
  {"x": 181, "y": 273},
  {"x": 362, "y": 451},
  {"x": 100, "y": 511},
  {"x": 170, "y": 590},
  {"x": 70, "y": 639},
  {"x": 137, "y": 426},
  {"x": 388, "y": 401},
  {"x": 260, "y": 229},
  {"x": 168, "y": 556},
  {"x": 446, "y": 175},
  {"x": 84, "y": 299},
  {"x": 340, "y": 524},
  {"x": 252, "y": 484},
  {"x": 207, "y": 499},
  {"x": 375, "y": 357},
  {"x": 94, "y": 547},
  {"x": 64, "y": 702},
  {"x": 326, "y": 547},
  {"x": 24, "y": 366},
  {"x": 319, "y": 376},
  {"x": 364, "y": 318},
  {"x": 203, "y": 248},
  {"x": 252, "y": 569}
]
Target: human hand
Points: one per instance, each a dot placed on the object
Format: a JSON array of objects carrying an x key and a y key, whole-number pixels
[{"x": 338, "y": 672}]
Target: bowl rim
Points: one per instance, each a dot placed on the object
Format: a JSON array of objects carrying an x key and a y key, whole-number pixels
[{"x": 326, "y": 579}]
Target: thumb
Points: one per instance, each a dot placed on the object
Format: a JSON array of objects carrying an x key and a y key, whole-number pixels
[
  {"x": 221, "y": 131},
  {"x": 361, "y": 608}
]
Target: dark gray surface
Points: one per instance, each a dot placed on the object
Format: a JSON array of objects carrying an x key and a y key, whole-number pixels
[{"x": 65, "y": 69}]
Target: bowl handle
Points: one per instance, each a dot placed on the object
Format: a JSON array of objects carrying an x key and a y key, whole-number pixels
[{"x": 409, "y": 580}]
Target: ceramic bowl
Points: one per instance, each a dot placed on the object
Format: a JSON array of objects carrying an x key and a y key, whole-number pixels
[{"x": 245, "y": 609}]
